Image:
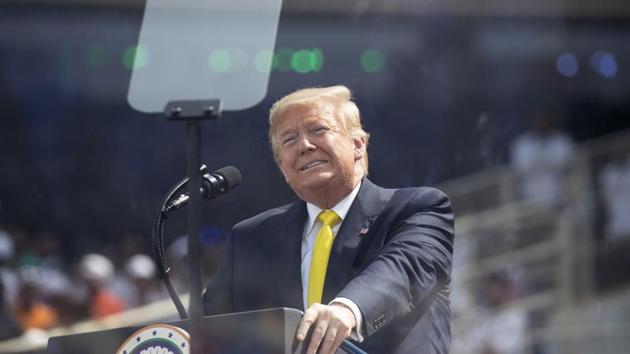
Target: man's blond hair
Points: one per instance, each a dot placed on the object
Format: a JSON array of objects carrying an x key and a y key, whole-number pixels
[{"x": 339, "y": 96}]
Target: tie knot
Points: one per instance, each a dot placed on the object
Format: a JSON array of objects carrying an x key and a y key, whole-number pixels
[{"x": 329, "y": 218}]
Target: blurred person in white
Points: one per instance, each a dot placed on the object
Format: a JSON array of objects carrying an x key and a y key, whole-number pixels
[
  {"x": 498, "y": 328},
  {"x": 47, "y": 271},
  {"x": 541, "y": 158},
  {"x": 614, "y": 183},
  {"x": 97, "y": 271},
  {"x": 138, "y": 284},
  {"x": 9, "y": 327},
  {"x": 7, "y": 276}
]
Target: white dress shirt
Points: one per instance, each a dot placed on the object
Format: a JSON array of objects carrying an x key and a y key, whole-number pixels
[{"x": 311, "y": 228}]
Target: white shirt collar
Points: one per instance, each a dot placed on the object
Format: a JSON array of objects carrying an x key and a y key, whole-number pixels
[{"x": 341, "y": 209}]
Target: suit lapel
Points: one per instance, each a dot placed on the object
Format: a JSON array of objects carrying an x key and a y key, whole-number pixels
[
  {"x": 289, "y": 258},
  {"x": 362, "y": 213}
]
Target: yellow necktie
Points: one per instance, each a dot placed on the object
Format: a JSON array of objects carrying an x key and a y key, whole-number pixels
[{"x": 321, "y": 253}]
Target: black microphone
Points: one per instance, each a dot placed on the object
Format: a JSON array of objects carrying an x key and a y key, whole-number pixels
[{"x": 213, "y": 184}]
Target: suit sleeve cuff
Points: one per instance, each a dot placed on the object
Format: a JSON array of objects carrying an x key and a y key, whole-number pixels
[{"x": 358, "y": 317}]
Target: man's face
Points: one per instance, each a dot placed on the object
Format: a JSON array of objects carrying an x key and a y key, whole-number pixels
[{"x": 316, "y": 155}]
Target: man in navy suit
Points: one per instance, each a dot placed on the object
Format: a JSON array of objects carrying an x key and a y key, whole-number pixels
[{"x": 383, "y": 255}]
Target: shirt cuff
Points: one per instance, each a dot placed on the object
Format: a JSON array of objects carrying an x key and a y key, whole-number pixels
[{"x": 358, "y": 317}]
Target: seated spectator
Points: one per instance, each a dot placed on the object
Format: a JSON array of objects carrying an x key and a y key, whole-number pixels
[
  {"x": 47, "y": 272},
  {"x": 7, "y": 276},
  {"x": 614, "y": 184},
  {"x": 138, "y": 285},
  {"x": 32, "y": 312},
  {"x": 612, "y": 259},
  {"x": 97, "y": 271},
  {"x": 541, "y": 158},
  {"x": 498, "y": 328}
]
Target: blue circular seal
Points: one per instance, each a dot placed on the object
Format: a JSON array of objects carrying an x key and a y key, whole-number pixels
[{"x": 157, "y": 339}]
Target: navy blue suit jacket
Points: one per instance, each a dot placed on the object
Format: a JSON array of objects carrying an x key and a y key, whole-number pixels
[{"x": 398, "y": 272}]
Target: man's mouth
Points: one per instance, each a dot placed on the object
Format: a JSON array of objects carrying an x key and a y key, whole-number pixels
[{"x": 312, "y": 164}]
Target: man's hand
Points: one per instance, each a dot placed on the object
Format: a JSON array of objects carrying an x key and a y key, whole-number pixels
[{"x": 333, "y": 323}]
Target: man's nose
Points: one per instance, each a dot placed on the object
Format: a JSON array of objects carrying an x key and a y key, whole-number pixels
[{"x": 306, "y": 145}]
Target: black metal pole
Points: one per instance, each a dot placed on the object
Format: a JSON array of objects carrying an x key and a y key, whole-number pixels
[
  {"x": 193, "y": 140},
  {"x": 193, "y": 112}
]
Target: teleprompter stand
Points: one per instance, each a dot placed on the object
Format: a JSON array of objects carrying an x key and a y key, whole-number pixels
[{"x": 193, "y": 112}]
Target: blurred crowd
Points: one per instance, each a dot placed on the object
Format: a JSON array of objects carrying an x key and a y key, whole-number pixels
[
  {"x": 39, "y": 289},
  {"x": 543, "y": 160}
]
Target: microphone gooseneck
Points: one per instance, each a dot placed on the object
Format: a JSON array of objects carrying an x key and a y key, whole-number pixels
[{"x": 213, "y": 184}]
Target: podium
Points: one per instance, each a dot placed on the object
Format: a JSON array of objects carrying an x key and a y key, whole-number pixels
[{"x": 263, "y": 332}]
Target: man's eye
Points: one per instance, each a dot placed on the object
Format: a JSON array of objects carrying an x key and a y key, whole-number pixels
[
  {"x": 288, "y": 141},
  {"x": 320, "y": 129}
]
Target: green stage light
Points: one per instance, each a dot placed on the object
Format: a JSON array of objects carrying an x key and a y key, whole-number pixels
[
  {"x": 135, "y": 57},
  {"x": 317, "y": 59},
  {"x": 372, "y": 60},
  {"x": 301, "y": 61},
  {"x": 263, "y": 61},
  {"x": 220, "y": 60},
  {"x": 282, "y": 60}
]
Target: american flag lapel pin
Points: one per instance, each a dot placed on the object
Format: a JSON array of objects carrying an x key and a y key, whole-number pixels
[{"x": 366, "y": 227}]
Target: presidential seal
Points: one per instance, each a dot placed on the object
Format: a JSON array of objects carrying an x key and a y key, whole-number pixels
[{"x": 157, "y": 339}]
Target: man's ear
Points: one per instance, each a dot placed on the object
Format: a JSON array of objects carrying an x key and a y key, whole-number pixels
[{"x": 359, "y": 147}]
